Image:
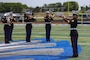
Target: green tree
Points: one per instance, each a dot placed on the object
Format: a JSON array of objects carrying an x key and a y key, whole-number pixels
[
  {"x": 15, "y": 7},
  {"x": 83, "y": 9},
  {"x": 87, "y": 7},
  {"x": 37, "y": 9},
  {"x": 53, "y": 5},
  {"x": 59, "y": 6},
  {"x": 45, "y": 5},
  {"x": 72, "y": 5}
]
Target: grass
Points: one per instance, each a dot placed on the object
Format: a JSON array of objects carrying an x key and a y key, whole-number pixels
[{"x": 59, "y": 32}]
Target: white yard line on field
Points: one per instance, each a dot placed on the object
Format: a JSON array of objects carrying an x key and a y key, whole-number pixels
[{"x": 84, "y": 43}]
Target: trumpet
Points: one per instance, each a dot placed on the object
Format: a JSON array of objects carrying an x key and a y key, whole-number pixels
[{"x": 9, "y": 20}]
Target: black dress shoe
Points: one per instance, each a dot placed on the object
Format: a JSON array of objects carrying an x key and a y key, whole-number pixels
[
  {"x": 7, "y": 42},
  {"x": 75, "y": 56},
  {"x": 27, "y": 41},
  {"x": 48, "y": 40}
]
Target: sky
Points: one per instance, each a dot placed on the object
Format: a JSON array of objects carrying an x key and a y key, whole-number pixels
[{"x": 34, "y": 3}]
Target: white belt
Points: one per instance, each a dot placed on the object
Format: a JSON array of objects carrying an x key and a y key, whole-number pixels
[
  {"x": 48, "y": 22},
  {"x": 7, "y": 24},
  {"x": 73, "y": 29},
  {"x": 28, "y": 22}
]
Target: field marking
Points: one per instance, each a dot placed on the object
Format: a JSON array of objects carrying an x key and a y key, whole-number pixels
[
  {"x": 45, "y": 51},
  {"x": 54, "y": 24},
  {"x": 26, "y": 45},
  {"x": 43, "y": 24},
  {"x": 84, "y": 43},
  {"x": 21, "y": 42},
  {"x": 25, "y": 59}
]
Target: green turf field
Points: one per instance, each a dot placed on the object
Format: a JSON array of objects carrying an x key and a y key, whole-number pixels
[{"x": 59, "y": 32}]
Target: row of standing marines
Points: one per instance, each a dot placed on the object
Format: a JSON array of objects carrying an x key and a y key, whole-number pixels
[{"x": 9, "y": 20}]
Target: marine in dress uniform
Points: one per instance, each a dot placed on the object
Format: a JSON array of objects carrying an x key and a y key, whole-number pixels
[
  {"x": 48, "y": 20},
  {"x": 73, "y": 33},
  {"x": 29, "y": 19},
  {"x": 7, "y": 25}
]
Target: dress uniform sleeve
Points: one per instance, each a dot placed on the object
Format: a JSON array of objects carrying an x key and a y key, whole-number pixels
[
  {"x": 14, "y": 19},
  {"x": 3, "y": 20},
  {"x": 71, "y": 21},
  {"x": 51, "y": 18},
  {"x": 67, "y": 20},
  {"x": 45, "y": 18},
  {"x": 34, "y": 20},
  {"x": 26, "y": 20}
]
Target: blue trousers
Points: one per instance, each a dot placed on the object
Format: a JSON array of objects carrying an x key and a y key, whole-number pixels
[
  {"x": 11, "y": 30},
  {"x": 74, "y": 41},
  {"x": 7, "y": 33},
  {"x": 48, "y": 30},
  {"x": 28, "y": 32}
]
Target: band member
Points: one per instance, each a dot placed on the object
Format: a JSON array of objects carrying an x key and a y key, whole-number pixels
[
  {"x": 7, "y": 25},
  {"x": 28, "y": 19},
  {"x": 73, "y": 33},
  {"x": 48, "y": 20}
]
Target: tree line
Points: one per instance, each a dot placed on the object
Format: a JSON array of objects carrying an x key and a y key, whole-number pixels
[
  {"x": 15, "y": 7},
  {"x": 19, "y": 7}
]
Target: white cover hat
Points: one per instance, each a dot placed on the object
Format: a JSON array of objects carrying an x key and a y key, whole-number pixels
[{"x": 47, "y": 12}]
